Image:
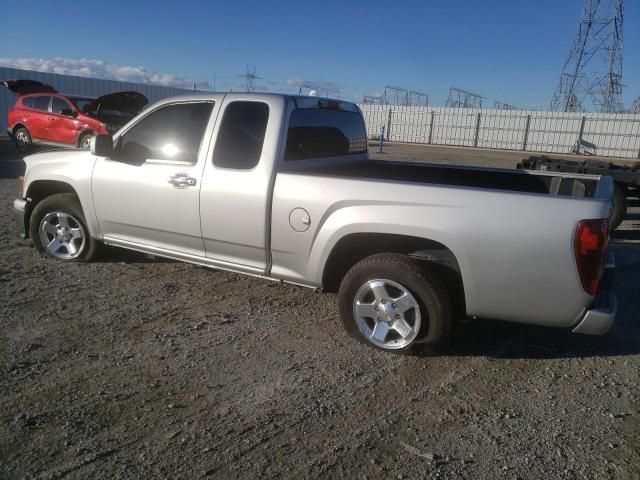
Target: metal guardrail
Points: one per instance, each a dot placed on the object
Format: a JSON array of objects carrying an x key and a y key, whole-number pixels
[{"x": 616, "y": 135}]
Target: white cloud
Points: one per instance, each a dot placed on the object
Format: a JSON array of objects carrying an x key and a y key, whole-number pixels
[{"x": 100, "y": 69}]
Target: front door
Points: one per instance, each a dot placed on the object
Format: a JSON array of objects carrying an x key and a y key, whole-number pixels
[
  {"x": 62, "y": 125},
  {"x": 147, "y": 194}
]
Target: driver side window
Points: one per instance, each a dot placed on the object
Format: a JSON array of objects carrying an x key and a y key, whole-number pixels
[
  {"x": 60, "y": 107},
  {"x": 171, "y": 133}
]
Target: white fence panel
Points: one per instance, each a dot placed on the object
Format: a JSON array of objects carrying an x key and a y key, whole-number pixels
[{"x": 616, "y": 135}]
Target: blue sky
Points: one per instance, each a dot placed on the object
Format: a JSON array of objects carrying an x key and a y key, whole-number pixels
[{"x": 510, "y": 50}]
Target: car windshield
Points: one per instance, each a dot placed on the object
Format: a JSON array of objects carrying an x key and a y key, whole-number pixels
[{"x": 81, "y": 102}]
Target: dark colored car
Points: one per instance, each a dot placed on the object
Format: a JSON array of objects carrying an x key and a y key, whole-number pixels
[{"x": 43, "y": 116}]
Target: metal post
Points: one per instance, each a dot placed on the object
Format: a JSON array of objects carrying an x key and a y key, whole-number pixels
[
  {"x": 579, "y": 143},
  {"x": 381, "y": 139},
  {"x": 431, "y": 126},
  {"x": 475, "y": 140},
  {"x": 389, "y": 124},
  {"x": 526, "y": 133}
]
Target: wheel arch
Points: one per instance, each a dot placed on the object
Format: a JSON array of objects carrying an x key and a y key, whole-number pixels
[
  {"x": 18, "y": 125},
  {"x": 82, "y": 133},
  {"x": 355, "y": 247},
  {"x": 41, "y": 189}
]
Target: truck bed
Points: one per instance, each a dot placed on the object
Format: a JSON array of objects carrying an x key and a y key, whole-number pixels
[{"x": 469, "y": 177}]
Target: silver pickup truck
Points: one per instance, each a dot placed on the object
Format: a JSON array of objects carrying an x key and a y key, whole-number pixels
[{"x": 281, "y": 187}]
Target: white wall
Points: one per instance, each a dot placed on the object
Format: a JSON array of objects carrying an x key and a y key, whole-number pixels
[
  {"x": 616, "y": 135},
  {"x": 93, "y": 87}
]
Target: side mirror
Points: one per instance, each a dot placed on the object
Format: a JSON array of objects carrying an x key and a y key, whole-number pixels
[
  {"x": 101, "y": 146},
  {"x": 67, "y": 112}
]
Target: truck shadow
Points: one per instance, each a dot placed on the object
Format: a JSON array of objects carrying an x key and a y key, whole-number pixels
[
  {"x": 504, "y": 340},
  {"x": 121, "y": 255}
]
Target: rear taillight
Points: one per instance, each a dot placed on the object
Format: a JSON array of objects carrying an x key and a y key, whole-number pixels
[{"x": 591, "y": 241}]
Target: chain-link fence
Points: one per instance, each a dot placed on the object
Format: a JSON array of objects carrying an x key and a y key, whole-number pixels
[{"x": 616, "y": 135}]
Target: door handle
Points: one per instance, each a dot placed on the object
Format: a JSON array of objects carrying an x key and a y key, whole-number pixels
[
  {"x": 50, "y": 118},
  {"x": 182, "y": 180}
]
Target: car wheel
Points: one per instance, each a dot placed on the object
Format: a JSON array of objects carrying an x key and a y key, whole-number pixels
[
  {"x": 392, "y": 302},
  {"x": 59, "y": 229},
  {"x": 85, "y": 141},
  {"x": 22, "y": 139},
  {"x": 618, "y": 208}
]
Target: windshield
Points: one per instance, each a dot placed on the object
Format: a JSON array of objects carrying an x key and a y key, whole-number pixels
[{"x": 81, "y": 102}]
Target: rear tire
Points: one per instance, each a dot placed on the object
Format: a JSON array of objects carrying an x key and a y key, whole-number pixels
[
  {"x": 619, "y": 207},
  {"x": 22, "y": 139},
  {"x": 58, "y": 229},
  {"x": 392, "y": 302}
]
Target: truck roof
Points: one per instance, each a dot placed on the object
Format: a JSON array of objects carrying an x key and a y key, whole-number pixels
[{"x": 302, "y": 101}]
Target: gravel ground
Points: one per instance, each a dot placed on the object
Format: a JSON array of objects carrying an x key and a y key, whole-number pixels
[{"x": 139, "y": 368}]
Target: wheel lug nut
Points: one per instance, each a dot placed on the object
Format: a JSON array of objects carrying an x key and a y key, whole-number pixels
[
  {"x": 394, "y": 305},
  {"x": 376, "y": 308},
  {"x": 384, "y": 301},
  {"x": 398, "y": 316}
]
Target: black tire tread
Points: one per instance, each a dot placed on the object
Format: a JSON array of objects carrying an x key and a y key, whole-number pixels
[
  {"x": 440, "y": 317},
  {"x": 65, "y": 202}
]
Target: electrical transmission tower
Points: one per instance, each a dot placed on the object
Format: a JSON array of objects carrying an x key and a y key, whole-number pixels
[
  {"x": 418, "y": 98},
  {"x": 459, "y": 98},
  {"x": 372, "y": 100},
  {"x": 396, "y": 95},
  {"x": 498, "y": 105},
  {"x": 635, "y": 106},
  {"x": 404, "y": 97},
  {"x": 592, "y": 73},
  {"x": 250, "y": 79}
]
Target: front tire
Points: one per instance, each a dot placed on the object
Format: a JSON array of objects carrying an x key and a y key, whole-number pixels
[
  {"x": 84, "y": 142},
  {"x": 22, "y": 139},
  {"x": 58, "y": 229},
  {"x": 392, "y": 302}
]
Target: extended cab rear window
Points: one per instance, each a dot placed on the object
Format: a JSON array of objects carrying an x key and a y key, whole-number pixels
[
  {"x": 241, "y": 135},
  {"x": 320, "y": 133}
]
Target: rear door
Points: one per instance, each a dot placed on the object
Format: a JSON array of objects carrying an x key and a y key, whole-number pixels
[
  {"x": 62, "y": 124},
  {"x": 148, "y": 194},
  {"x": 235, "y": 200},
  {"x": 37, "y": 117}
]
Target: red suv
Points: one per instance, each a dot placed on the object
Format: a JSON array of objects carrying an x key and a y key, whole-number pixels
[{"x": 43, "y": 116}]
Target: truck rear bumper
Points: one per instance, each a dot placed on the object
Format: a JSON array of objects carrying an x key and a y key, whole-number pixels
[{"x": 598, "y": 319}]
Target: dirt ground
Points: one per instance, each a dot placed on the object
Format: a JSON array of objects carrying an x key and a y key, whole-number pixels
[{"x": 139, "y": 368}]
